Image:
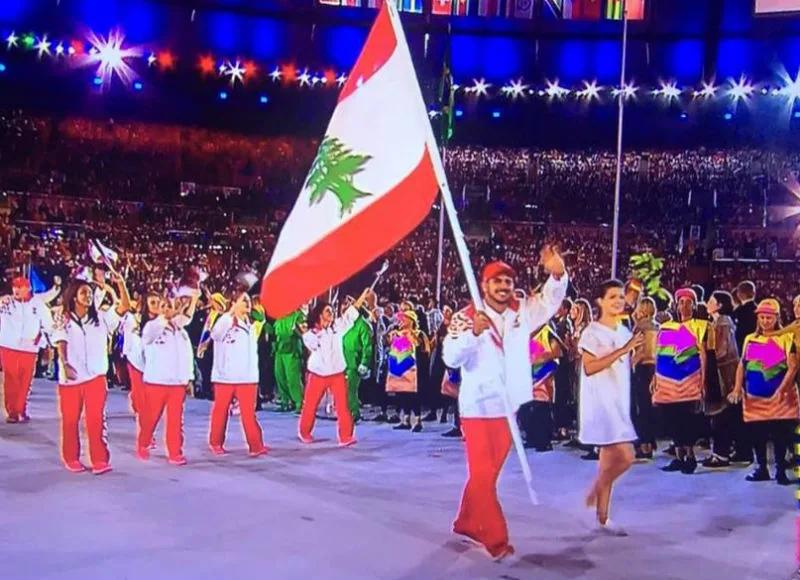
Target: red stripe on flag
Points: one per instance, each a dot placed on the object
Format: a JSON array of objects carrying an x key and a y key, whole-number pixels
[
  {"x": 379, "y": 47},
  {"x": 353, "y": 245}
]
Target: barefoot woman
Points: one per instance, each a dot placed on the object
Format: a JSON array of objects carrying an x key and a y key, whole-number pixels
[{"x": 605, "y": 401}]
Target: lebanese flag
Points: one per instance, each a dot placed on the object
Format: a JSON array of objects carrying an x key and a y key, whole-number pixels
[
  {"x": 373, "y": 180},
  {"x": 462, "y": 7}
]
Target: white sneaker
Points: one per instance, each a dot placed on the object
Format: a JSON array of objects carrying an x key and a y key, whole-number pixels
[{"x": 610, "y": 529}]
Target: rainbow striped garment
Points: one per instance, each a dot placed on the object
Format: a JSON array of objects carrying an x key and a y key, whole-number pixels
[
  {"x": 678, "y": 362},
  {"x": 766, "y": 364},
  {"x": 402, "y": 377},
  {"x": 539, "y": 345}
]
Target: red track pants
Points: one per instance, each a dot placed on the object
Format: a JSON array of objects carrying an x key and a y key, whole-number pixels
[
  {"x": 72, "y": 400},
  {"x": 480, "y": 516},
  {"x": 223, "y": 397},
  {"x": 159, "y": 397},
  {"x": 315, "y": 389},
  {"x": 18, "y": 369}
]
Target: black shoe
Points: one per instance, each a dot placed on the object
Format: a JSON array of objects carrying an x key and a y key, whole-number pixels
[
  {"x": 545, "y": 448},
  {"x": 393, "y": 420},
  {"x": 716, "y": 462},
  {"x": 417, "y": 428},
  {"x": 572, "y": 443},
  {"x": 454, "y": 432},
  {"x": 403, "y": 427},
  {"x": 670, "y": 450},
  {"x": 674, "y": 465},
  {"x": 703, "y": 443},
  {"x": 689, "y": 466},
  {"x": 432, "y": 416},
  {"x": 642, "y": 456},
  {"x": 590, "y": 456},
  {"x": 443, "y": 419},
  {"x": 781, "y": 477},
  {"x": 528, "y": 445},
  {"x": 382, "y": 418},
  {"x": 760, "y": 474}
]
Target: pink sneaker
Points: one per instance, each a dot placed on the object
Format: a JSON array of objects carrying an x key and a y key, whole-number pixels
[
  {"x": 306, "y": 440},
  {"x": 179, "y": 460},
  {"x": 75, "y": 467},
  {"x": 152, "y": 444},
  {"x": 348, "y": 442},
  {"x": 217, "y": 450},
  {"x": 143, "y": 453},
  {"x": 259, "y": 452},
  {"x": 101, "y": 468}
]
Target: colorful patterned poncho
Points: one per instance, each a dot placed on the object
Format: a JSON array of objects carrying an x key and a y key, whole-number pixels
[{"x": 678, "y": 362}]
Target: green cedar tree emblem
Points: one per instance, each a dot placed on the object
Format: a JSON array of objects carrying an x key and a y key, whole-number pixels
[{"x": 333, "y": 170}]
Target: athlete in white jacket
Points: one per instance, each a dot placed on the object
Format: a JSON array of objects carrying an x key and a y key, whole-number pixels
[
  {"x": 491, "y": 349},
  {"x": 234, "y": 374},
  {"x": 24, "y": 321}
]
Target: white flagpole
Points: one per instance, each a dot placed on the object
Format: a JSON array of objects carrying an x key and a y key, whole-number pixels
[
  {"x": 618, "y": 181},
  {"x": 461, "y": 245}
]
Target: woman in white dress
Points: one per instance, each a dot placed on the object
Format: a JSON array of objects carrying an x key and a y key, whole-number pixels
[{"x": 605, "y": 397}]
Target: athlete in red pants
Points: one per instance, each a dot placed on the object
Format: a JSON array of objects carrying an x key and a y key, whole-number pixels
[
  {"x": 168, "y": 369},
  {"x": 491, "y": 348},
  {"x": 235, "y": 374},
  {"x": 81, "y": 337},
  {"x": 326, "y": 366},
  {"x": 24, "y": 319}
]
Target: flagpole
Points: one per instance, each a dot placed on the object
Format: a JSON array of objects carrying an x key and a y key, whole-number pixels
[
  {"x": 461, "y": 245},
  {"x": 440, "y": 258},
  {"x": 618, "y": 182}
]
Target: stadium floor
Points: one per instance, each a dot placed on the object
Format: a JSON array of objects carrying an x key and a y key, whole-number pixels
[{"x": 380, "y": 510}]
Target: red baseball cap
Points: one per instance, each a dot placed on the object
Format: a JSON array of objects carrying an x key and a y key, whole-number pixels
[
  {"x": 495, "y": 269},
  {"x": 21, "y": 282}
]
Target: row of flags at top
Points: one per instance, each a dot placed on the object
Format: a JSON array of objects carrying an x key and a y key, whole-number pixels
[{"x": 567, "y": 9}]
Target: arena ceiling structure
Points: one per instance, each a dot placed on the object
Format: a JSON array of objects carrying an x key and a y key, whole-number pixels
[{"x": 691, "y": 64}]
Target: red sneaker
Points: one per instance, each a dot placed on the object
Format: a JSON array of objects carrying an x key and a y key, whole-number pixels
[
  {"x": 217, "y": 450},
  {"x": 259, "y": 452},
  {"x": 75, "y": 467},
  {"x": 348, "y": 442},
  {"x": 143, "y": 453},
  {"x": 179, "y": 460},
  {"x": 152, "y": 444},
  {"x": 101, "y": 468},
  {"x": 503, "y": 554},
  {"x": 11, "y": 419},
  {"x": 306, "y": 440}
]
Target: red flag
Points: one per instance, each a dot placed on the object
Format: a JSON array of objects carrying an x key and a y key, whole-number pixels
[
  {"x": 488, "y": 7},
  {"x": 442, "y": 7},
  {"x": 373, "y": 180},
  {"x": 462, "y": 7},
  {"x": 586, "y": 9}
]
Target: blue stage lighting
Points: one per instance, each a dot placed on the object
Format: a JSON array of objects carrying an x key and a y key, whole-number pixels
[
  {"x": 459, "y": 113},
  {"x": 264, "y": 99},
  {"x": 728, "y": 116},
  {"x": 684, "y": 115},
  {"x": 496, "y": 114},
  {"x": 2, "y": 67},
  {"x": 223, "y": 95},
  {"x": 138, "y": 86},
  {"x": 797, "y": 114},
  {"x": 97, "y": 81}
]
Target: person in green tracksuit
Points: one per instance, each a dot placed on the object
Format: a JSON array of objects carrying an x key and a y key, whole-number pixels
[
  {"x": 288, "y": 351},
  {"x": 357, "y": 346}
]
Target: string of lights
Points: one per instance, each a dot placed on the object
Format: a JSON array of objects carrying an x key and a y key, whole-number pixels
[{"x": 112, "y": 59}]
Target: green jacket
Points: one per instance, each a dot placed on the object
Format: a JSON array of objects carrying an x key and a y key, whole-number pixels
[
  {"x": 287, "y": 334},
  {"x": 357, "y": 344}
]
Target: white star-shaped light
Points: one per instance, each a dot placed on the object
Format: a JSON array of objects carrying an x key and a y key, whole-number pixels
[
  {"x": 554, "y": 91},
  {"x": 71, "y": 50},
  {"x": 111, "y": 58},
  {"x": 479, "y": 87},
  {"x": 707, "y": 92},
  {"x": 222, "y": 68},
  {"x": 741, "y": 89},
  {"x": 433, "y": 113},
  {"x": 628, "y": 91},
  {"x": 236, "y": 72},
  {"x": 341, "y": 80},
  {"x": 43, "y": 46},
  {"x": 276, "y": 74},
  {"x": 669, "y": 91},
  {"x": 515, "y": 89},
  {"x": 304, "y": 78},
  {"x": 151, "y": 60},
  {"x": 590, "y": 91},
  {"x": 12, "y": 40},
  {"x": 60, "y": 49},
  {"x": 315, "y": 80}
]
